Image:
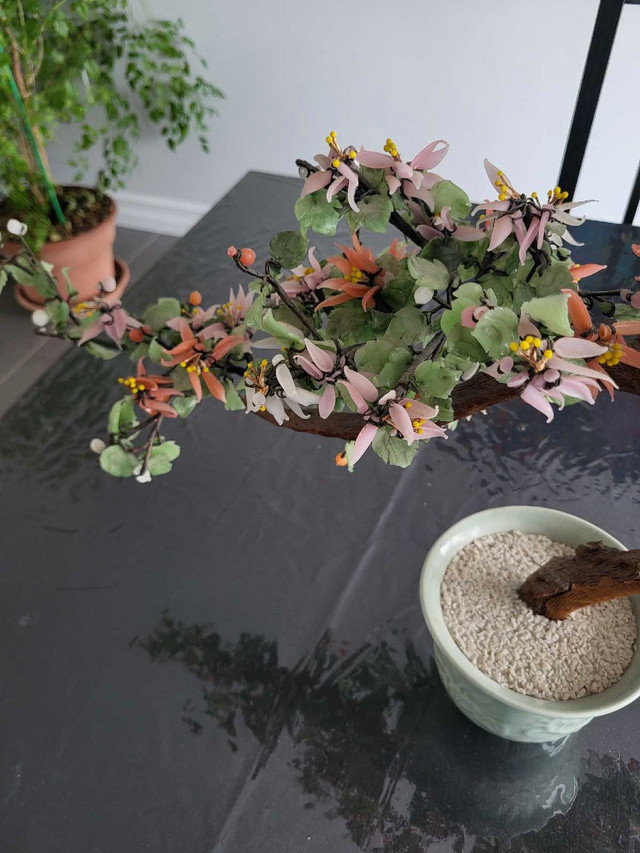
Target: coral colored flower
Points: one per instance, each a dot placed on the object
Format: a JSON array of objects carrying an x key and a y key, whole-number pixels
[
  {"x": 417, "y": 170},
  {"x": 409, "y": 418},
  {"x": 579, "y": 271},
  {"x": 362, "y": 277},
  {"x": 334, "y": 173},
  {"x": 152, "y": 393},
  {"x": 525, "y": 216},
  {"x": 195, "y": 356}
]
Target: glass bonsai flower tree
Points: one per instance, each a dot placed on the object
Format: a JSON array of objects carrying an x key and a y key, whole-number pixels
[{"x": 467, "y": 307}]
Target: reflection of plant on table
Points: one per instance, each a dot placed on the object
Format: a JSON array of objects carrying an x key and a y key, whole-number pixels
[
  {"x": 58, "y": 65},
  {"x": 385, "y": 350}
]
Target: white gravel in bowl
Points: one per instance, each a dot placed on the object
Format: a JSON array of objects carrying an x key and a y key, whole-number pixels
[{"x": 586, "y": 653}]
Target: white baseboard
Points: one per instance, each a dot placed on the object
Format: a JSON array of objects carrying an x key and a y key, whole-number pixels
[{"x": 155, "y": 213}]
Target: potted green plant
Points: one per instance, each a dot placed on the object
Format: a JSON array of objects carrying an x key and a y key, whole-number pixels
[{"x": 92, "y": 65}]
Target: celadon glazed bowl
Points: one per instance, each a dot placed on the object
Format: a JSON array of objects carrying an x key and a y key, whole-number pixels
[{"x": 495, "y": 708}]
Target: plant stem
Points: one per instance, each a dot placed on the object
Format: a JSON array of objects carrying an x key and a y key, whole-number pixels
[
  {"x": 269, "y": 279},
  {"x": 150, "y": 444}
]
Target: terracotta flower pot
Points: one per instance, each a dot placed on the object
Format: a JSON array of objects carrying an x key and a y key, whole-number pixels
[{"x": 89, "y": 259}]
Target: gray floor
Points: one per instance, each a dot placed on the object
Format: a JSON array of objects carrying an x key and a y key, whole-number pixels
[{"x": 24, "y": 356}]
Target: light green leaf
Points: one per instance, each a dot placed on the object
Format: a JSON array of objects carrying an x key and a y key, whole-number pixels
[
  {"x": 122, "y": 416},
  {"x": 375, "y": 178},
  {"x": 394, "y": 450},
  {"x": 348, "y": 323},
  {"x": 553, "y": 280},
  {"x": 288, "y": 248},
  {"x": 117, "y": 462},
  {"x": 315, "y": 212},
  {"x": 374, "y": 214},
  {"x": 386, "y": 359},
  {"x": 165, "y": 309},
  {"x": 626, "y": 312},
  {"x": 100, "y": 351},
  {"x": 432, "y": 274},
  {"x": 284, "y": 332},
  {"x": 470, "y": 290},
  {"x": 57, "y": 312},
  {"x": 184, "y": 405},
  {"x": 398, "y": 292},
  {"x": 4, "y": 278},
  {"x": 408, "y": 325},
  {"x": 552, "y": 312},
  {"x": 156, "y": 351},
  {"x": 447, "y": 193},
  {"x": 234, "y": 402},
  {"x": 495, "y": 331},
  {"x": 253, "y": 318},
  {"x": 435, "y": 379}
]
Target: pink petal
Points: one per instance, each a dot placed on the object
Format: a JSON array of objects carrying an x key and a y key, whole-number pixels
[
  {"x": 501, "y": 230},
  {"x": 335, "y": 187},
  {"x": 445, "y": 216},
  {"x": 390, "y": 395},
  {"x": 373, "y": 160},
  {"x": 365, "y": 387},
  {"x": 327, "y": 401},
  {"x": 352, "y": 178},
  {"x": 467, "y": 319},
  {"x": 402, "y": 170},
  {"x": 392, "y": 182},
  {"x": 364, "y": 439},
  {"x": 490, "y": 206},
  {"x": 534, "y": 398},
  {"x": 92, "y": 331},
  {"x": 323, "y": 359},
  {"x": 528, "y": 239},
  {"x": 309, "y": 366},
  {"x": 421, "y": 410},
  {"x": 402, "y": 421},
  {"x": 428, "y": 232},
  {"x": 359, "y": 401},
  {"x": 315, "y": 181},
  {"x": 517, "y": 380},
  {"x": 467, "y": 234},
  {"x": 627, "y": 327},
  {"x": 578, "y": 389},
  {"x": 575, "y": 369},
  {"x": 526, "y": 327},
  {"x": 577, "y": 348},
  {"x": 543, "y": 222},
  {"x": 430, "y": 155}
]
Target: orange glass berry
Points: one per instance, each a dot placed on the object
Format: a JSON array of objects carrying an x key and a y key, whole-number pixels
[
  {"x": 136, "y": 335},
  {"x": 341, "y": 459},
  {"x": 195, "y": 297},
  {"x": 247, "y": 257}
]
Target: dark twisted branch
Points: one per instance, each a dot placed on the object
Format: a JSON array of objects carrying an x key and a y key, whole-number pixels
[
  {"x": 471, "y": 397},
  {"x": 595, "y": 573}
]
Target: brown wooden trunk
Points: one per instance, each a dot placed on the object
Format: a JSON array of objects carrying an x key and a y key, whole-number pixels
[
  {"x": 472, "y": 397},
  {"x": 595, "y": 574}
]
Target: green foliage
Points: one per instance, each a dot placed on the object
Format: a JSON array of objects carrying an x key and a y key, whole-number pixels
[
  {"x": 185, "y": 405},
  {"x": 122, "y": 416},
  {"x": 552, "y": 312},
  {"x": 67, "y": 55},
  {"x": 165, "y": 309},
  {"x": 161, "y": 457},
  {"x": 118, "y": 462},
  {"x": 495, "y": 331},
  {"x": 446, "y": 193},
  {"x": 394, "y": 450},
  {"x": 435, "y": 380},
  {"x": 348, "y": 323},
  {"x": 386, "y": 359},
  {"x": 431, "y": 274},
  {"x": 408, "y": 325},
  {"x": 289, "y": 248},
  {"x": 315, "y": 212},
  {"x": 374, "y": 214}
]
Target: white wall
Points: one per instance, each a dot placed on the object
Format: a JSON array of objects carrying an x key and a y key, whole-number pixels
[{"x": 496, "y": 79}]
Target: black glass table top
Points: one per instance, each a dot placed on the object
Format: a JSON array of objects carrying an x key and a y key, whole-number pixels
[{"x": 232, "y": 659}]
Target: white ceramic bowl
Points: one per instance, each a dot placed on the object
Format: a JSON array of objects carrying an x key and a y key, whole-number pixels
[{"x": 495, "y": 708}]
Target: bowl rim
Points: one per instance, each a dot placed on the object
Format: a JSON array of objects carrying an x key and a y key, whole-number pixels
[{"x": 587, "y": 706}]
